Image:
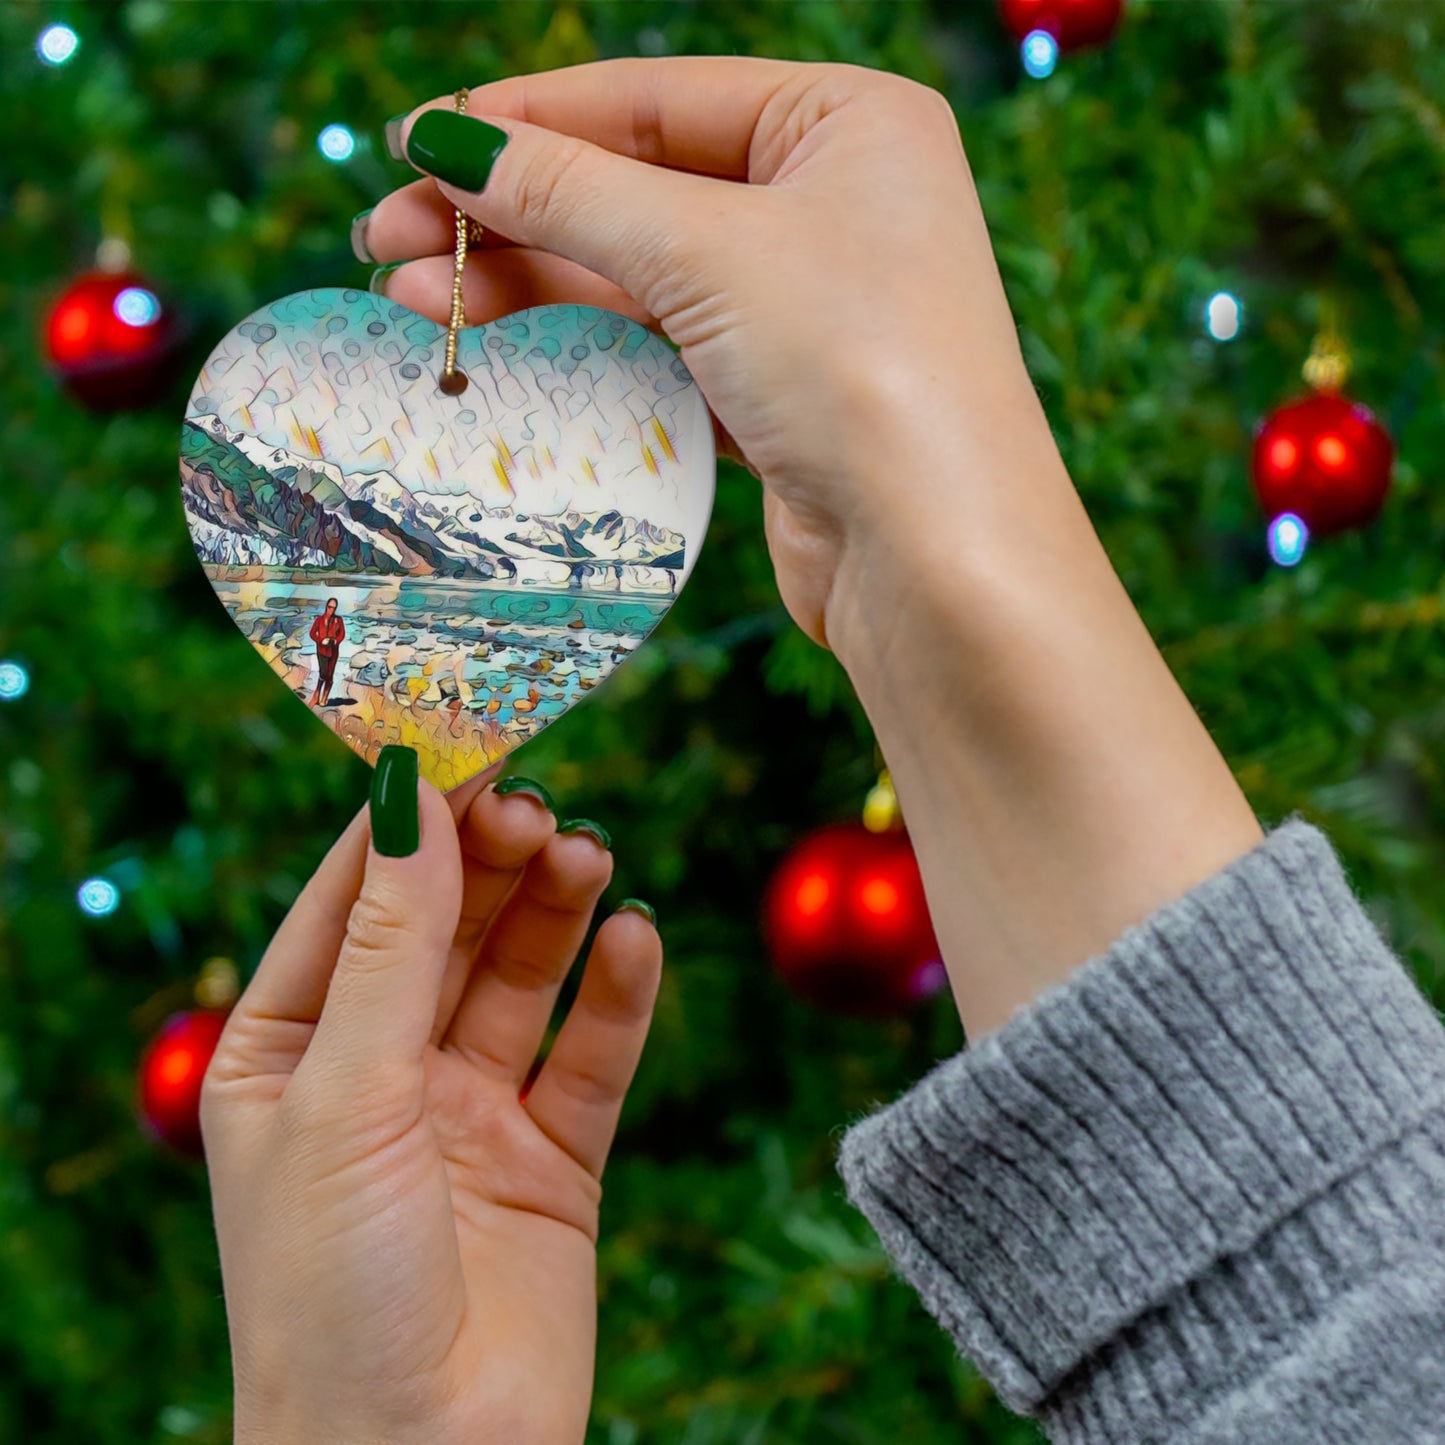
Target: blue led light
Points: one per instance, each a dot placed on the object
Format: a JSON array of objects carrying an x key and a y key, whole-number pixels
[
  {"x": 1223, "y": 316},
  {"x": 1288, "y": 538},
  {"x": 14, "y": 681},
  {"x": 1040, "y": 53},
  {"x": 336, "y": 143},
  {"x": 98, "y": 897},
  {"x": 136, "y": 306},
  {"x": 57, "y": 44}
]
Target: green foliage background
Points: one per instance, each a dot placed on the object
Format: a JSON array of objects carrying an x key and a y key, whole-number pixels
[{"x": 1288, "y": 152}]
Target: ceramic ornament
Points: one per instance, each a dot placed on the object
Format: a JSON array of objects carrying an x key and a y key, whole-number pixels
[{"x": 448, "y": 572}]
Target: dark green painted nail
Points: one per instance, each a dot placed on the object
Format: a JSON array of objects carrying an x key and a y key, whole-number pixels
[
  {"x": 636, "y": 905},
  {"x": 586, "y": 825},
  {"x": 527, "y": 786},
  {"x": 455, "y": 148},
  {"x": 395, "y": 824},
  {"x": 359, "y": 248},
  {"x": 393, "y": 136},
  {"x": 377, "y": 284}
]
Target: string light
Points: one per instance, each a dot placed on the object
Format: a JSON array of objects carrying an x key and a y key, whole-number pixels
[
  {"x": 1223, "y": 316},
  {"x": 14, "y": 681},
  {"x": 1288, "y": 538},
  {"x": 336, "y": 143},
  {"x": 57, "y": 44},
  {"x": 136, "y": 306},
  {"x": 1040, "y": 53},
  {"x": 930, "y": 977},
  {"x": 98, "y": 897}
]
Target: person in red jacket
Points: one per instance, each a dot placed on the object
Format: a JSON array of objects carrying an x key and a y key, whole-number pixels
[{"x": 327, "y": 632}]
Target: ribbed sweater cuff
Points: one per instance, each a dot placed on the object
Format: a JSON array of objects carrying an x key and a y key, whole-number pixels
[{"x": 1129, "y": 1156}]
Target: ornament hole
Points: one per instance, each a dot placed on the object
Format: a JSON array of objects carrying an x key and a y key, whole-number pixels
[{"x": 452, "y": 383}]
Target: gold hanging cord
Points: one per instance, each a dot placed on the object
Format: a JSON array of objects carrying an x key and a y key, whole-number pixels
[{"x": 454, "y": 382}]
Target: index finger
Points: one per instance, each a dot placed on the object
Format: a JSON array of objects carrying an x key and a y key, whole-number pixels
[{"x": 695, "y": 113}]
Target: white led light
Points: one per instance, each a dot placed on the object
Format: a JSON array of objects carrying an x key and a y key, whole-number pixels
[
  {"x": 14, "y": 681},
  {"x": 1040, "y": 53},
  {"x": 1223, "y": 316},
  {"x": 336, "y": 143},
  {"x": 98, "y": 897},
  {"x": 136, "y": 306},
  {"x": 57, "y": 44},
  {"x": 1288, "y": 538}
]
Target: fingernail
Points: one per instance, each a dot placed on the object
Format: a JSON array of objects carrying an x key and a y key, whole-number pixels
[
  {"x": 455, "y": 148},
  {"x": 359, "y": 248},
  {"x": 393, "y": 137},
  {"x": 395, "y": 821},
  {"x": 377, "y": 284},
  {"x": 525, "y": 785},
  {"x": 636, "y": 905},
  {"x": 586, "y": 825}
]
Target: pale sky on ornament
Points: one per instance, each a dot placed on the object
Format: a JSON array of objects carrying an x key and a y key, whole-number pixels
[{"x": 567, "y": 407}]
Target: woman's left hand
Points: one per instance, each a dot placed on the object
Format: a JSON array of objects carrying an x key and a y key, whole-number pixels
[{"x": 407, "y": 1244}]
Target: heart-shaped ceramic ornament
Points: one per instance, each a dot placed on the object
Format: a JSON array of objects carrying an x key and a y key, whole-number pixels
[{"x": 449, "y": 572}]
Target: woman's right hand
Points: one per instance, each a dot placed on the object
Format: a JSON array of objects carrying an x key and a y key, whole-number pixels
[{"x": 809, "y": 236}]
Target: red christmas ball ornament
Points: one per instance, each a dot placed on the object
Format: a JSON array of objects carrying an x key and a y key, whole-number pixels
[
  {"x": 1326, "y": 459},
  {"x": 1073, "y": 23},
  {"x": 847, "y": 923},
  {"x": 111, "y": 340},
  {"x": 171, "y": 1071}
]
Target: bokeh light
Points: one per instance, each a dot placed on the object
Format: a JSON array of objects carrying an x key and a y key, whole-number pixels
[
  {"x": 57, "y": 44},
  {"x": 177, "y": 1066},
  {"x": 812, "y": 895},
  {"x": 1040, "y": 52},
  {"x": 930, "y": 977},
  {"x": 1223, "y": 316},
  {"x": 98, "y": 897},
  {"x": 1288, "y": 538},
  {"x": 137, "y": 307},
  {"x": 14, "y": 681},
  {"x": 336, "y": 143},
  {"x": 879, "y": 897},
  {"x": 1283, "y": 454}
]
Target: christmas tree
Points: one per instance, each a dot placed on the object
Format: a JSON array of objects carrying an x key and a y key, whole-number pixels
[{"x": 1179, "y": 215}]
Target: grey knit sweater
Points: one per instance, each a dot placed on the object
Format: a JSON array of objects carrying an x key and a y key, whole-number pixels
[{"x": 1196, "y": 1192}]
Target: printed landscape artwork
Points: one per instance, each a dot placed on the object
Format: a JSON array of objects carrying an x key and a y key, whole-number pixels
[{"x": 447, "y": 572}]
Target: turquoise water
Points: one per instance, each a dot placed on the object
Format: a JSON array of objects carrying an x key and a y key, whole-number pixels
[{"x": 428, "y": 642}]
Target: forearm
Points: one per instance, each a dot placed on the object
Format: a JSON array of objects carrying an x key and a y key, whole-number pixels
[{"x": 1057, "y": 784}]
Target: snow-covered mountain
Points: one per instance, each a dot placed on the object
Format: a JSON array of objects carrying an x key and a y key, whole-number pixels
[{"x": 284, "y": 509}]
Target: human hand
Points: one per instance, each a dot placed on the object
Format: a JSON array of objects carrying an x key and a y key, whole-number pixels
[
  {"x": 837, "y": 310},
  {"x": 810, "y": 237},
  {"x": 408, "y": 1247}
]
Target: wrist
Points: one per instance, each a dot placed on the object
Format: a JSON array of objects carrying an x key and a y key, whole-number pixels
[
  {"x": 946, "y": 529},
  {"x": 1057, "y": 784}
]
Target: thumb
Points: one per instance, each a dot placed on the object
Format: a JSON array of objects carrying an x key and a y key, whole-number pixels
[
  {"x": 642, "y": 227},
  {"x": 382, "y": 1000}
]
